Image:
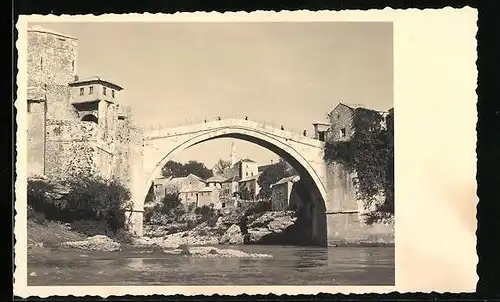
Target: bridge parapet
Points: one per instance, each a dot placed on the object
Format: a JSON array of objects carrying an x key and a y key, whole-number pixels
[{"x": 232, "y": 123}]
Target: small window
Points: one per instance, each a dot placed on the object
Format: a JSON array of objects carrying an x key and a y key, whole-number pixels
[
  {"x": 112, "y": 93},
  {"x": 342, "y": 132},
  {"x": 29, "y": 107},
  {"x": 104, "y": 90},
  {"x": 251, "y": 174},
  {"x": 321, "y": 136},
  {"x": 247, "y": 174},
  {"x": 73, "y": 65},
  {"x": 82, "y": 91},
  {"x": 91, "y": 89},
  {"x": 41, "y": 63}
]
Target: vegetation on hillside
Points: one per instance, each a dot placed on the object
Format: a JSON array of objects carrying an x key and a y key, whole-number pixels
[
  {"x": 91, "y": 204},
  {"x": 370, "y": 154},
  {"x": 176, "y": 169},
  {"x": 222, "y": 166},
  {"x": 271, "y": 175}
]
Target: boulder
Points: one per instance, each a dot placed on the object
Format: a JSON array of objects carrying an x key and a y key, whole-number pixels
[
  {"x": 189, "y": 238},
  {"x": 233, "y": 235},
  {"x": 95, "y": 243},
  {"x": 267, "y": 228},
  {"x": 212, "y": 252}
]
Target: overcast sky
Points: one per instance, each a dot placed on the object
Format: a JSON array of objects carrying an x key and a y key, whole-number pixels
[{"x": 289, "y": 74}]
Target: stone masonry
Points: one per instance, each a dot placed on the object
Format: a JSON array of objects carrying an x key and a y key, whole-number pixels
[{"x": 70, "y": 131}]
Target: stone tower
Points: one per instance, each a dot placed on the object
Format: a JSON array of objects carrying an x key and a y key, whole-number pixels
[
  {"x": 51, "y": 65},
  {"x": 232, "y": 155}
]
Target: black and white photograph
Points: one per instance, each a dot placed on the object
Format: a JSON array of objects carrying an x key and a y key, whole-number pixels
[{"x": 211, "y": 153}]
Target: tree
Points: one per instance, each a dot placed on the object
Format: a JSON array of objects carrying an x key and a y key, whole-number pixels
[
  {"x": 271, "y": 175},
  {"x": 176, "y": 169},
  {"x": 222, "y": 166}
]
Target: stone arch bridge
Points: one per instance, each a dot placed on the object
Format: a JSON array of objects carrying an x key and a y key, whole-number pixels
[{"x": 330, "y": 216}]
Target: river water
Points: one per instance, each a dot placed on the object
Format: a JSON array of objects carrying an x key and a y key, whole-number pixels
[{"x": 289, "y": 266}]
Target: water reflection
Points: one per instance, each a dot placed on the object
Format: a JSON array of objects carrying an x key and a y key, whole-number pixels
[{"x": 289, "y": 266}]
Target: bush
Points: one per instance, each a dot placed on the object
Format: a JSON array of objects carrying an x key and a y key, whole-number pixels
[
  {"x": 259, "y": 207},
  {"x": 81, "y": 197},
  {"x": 91, "y": 227},
  {"x": 208, "y": 214}
]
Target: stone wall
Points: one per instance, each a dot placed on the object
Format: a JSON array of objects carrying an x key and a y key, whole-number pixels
[
  {"x": 36, "y": 138},
  {"x": 51, "y": 66},
  {"x": 71, "y": 147},
  {"x": 341, "y": 118}
]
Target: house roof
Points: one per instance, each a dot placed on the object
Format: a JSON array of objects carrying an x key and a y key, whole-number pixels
[
  {"x": 233, "y": 178},
  {"x": 253, "y": 178},
  {"x": 216, "y": 178},
  {"x": 356, "y": 106},
  {"x": 194, "y": 190},
  {"x": 97, "y": 80},
  {"x": 293, "y": 178},
  {"x": 247, "y": 160},
  {"x": 175, "y": 180},
  {"x": 40, "y": 29}
]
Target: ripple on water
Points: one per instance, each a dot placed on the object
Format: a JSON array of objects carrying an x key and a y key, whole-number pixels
[{"x": 289, "y": 266}]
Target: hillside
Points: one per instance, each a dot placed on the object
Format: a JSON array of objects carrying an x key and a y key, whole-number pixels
[{"x": 50, "y": 234}]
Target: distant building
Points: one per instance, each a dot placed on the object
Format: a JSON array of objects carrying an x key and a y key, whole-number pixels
[
  {"x": 341, "y": 124},
  {"x": 199, "y": 197},
  {"x": 281, "y": 193},
  {"x": 215, "y": 181},
  {"x": 163, "y": 186}
]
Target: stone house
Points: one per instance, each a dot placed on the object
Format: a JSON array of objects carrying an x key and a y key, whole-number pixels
[
  {"x": 163, "y": 186},
  {"x": 74, "y": 125},
  {"x": 281, "y": 193},
  {"x": 341, "y": 125},
  {"x": 203, "y": 196}
]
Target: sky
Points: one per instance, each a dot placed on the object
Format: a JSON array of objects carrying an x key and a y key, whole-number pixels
[{"x": 289, "y": 74}]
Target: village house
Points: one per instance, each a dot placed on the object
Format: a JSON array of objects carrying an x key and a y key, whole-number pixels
[
  {"x": 281, "y": 193},
  {"x": 203, "y": 196},
  {"x": 163, "y": 186},
  {"x": 341, "y": 126}
]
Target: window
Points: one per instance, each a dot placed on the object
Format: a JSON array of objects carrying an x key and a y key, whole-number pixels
[
  {"x": 104, "y": 90},
  {"x": 73, "y": 65},
  {"x": 321, "y": 136},
  {"x": 247, "y": 174},
  {"x": 91, "y": 89},
  {"x": 112, "y": 93},
  {"x": 41, "y": 63},
  {"x": 29, "y": 107},
  {"x": 82, "y": 90},
  {"x": 342, "y": 132}
]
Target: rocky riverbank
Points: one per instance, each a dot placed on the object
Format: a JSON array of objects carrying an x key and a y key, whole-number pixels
[{"x": 230, "y": 228}]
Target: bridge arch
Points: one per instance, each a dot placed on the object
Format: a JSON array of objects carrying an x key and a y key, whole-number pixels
[{"x": 304, "y": 154}]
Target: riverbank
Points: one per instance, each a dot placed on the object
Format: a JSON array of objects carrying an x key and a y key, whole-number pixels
[{"x": 268, "y": 228}]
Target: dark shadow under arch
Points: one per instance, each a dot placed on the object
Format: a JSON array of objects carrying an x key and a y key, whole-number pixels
[
  {"x": 318, "y": 227},
  {"x": 90, "y": 118}
]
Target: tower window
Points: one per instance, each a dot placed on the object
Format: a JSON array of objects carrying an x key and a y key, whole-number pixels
[
  {"x": 81, "y": 91},
  {"x": 342, "y": 132},
  {"x": 104, "y": 90},
  {"x": 112, "y": 93},
  {"x": 91, "y": 89},
  {"x": 321, "y": 136}
]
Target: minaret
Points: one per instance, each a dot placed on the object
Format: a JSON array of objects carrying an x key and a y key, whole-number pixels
[{"x": 232, "y": 155}]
